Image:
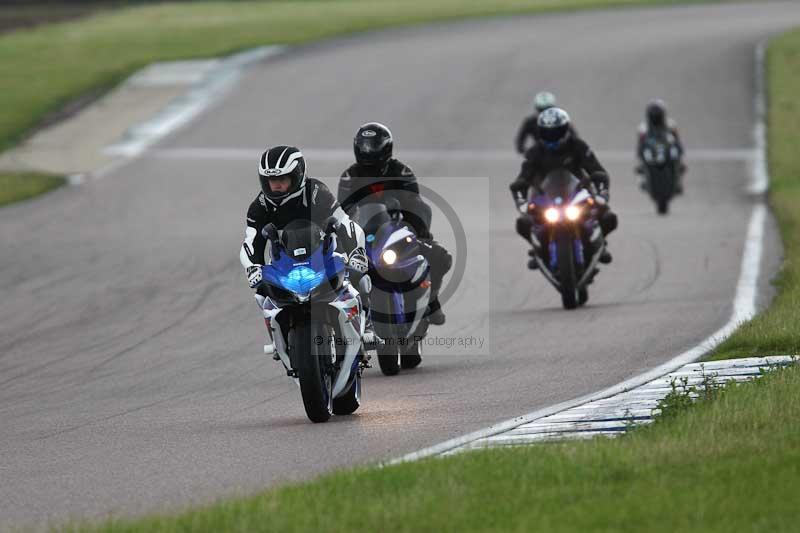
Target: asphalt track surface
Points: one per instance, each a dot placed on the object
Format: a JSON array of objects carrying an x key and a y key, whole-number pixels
[{"x": 131, "y": 377}]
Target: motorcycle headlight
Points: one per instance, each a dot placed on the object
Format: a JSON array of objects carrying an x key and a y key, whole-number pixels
[
  {"x": 389, "y": 257},
  {"x": 301, "y": 280},
  {"x": 551, "y": 215},
  {"x": 572, "y": 212}
]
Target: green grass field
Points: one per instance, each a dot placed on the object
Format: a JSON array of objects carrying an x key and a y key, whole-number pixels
[
  {"x": 20, "y": 186},
  {"x": 726, "y": 465}
]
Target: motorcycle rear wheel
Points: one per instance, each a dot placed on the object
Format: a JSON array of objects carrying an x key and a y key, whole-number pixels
[
  {"x": 662, "y": 206},
  {"x": 411, "y": 357},
  {"x": 389, "y": 357}
]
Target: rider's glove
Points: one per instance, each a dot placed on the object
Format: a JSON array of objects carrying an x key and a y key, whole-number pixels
[
  {"x": 518, "y": 186},
  {"x": 603, "y": 193},
  {"x": 254, "y": 276},
  {"x": 518, "y": 189}
]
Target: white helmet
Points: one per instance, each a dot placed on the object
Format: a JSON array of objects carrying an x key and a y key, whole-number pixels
[
  {"x": 279, "y": 162},
  {"x": 544, "y": 100}
]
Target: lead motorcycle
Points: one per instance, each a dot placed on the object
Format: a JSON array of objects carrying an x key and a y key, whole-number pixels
[
  {"x": 566, "y": 234},
  {"x": 314, "y": 316},
  {"x": 401, "y": 286},
  {"x": 662, "y": 159}
]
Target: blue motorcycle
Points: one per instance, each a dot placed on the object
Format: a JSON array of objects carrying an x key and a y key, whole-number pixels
[
  {"x": 401, "y": 286},
  {"x": 566, "y": 234},
  {"x": 314, "y": 316}
]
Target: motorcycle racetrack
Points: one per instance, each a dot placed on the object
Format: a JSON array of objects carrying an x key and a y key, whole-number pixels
[{"x": 131, "y": 372}]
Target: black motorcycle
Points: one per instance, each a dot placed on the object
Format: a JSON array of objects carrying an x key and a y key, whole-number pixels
[{"x": 662, "y": 159}]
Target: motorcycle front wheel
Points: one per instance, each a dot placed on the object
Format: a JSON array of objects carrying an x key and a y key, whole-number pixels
[
  {"x": 350, "y": 401},
  {"x": 314, "y": 352},
  {"x": 567, "y": 277}
]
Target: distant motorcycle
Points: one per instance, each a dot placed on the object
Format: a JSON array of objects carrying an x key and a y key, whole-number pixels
[
  {"x": 566, "y": 234},
  {"x": 315, "y": 317},
  {"x": 661, "y": 157},
  {"x": 401, "y": 284}
]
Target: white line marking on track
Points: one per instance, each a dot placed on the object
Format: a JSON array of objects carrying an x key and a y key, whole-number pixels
[
  {"x": 744, "y": 303},
  {"x": 213, "y": 81}
]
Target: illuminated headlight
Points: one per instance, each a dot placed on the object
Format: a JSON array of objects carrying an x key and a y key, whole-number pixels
[
  {"x": 301, "y": 280},
  {"x": 389, "y": 257},
  {"x": 551, "y": 215},
  {"x": 572, "y": 212}
]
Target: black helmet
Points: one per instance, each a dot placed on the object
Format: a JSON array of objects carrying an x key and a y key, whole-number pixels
[
  {"x": 373, "y": 145},
  {"x": 281, "y": 162},
  {"x": 554, "y": 130},
  {"x": 656, "y": 113}
]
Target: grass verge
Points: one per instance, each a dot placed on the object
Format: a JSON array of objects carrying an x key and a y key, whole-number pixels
[
  {"x": 20, "y": 186},
  {"x": 777, "y": 330},
  {"x": 725, "y": 465}
]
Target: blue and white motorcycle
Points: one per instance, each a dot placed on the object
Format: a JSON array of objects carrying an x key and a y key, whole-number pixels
[
  {"x": 401, "y": 286},
  {"x": 565, "y": 233},
  {"x": 314, "y": 316}
]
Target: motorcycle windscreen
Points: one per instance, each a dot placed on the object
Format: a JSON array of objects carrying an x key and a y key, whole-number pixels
[
  {"x": 560, "y": 183},
  {"x": 371, "y": 217},
  {"x": 301, "y": 238}
]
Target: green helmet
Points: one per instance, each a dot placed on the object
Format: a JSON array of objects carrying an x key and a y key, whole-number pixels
[{"x": 544, "y": 100}]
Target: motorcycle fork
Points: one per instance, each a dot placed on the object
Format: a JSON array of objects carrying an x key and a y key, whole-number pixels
[{"x": 567, "y": 231}]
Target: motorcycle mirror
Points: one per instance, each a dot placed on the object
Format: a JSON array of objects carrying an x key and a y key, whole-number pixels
[
  {"x": 270, "y": 232},
  {"x": 393, "y": 204}
]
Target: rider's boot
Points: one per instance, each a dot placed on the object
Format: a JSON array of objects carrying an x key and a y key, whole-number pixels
[
  {"x": 269, "y": 348},
  {"x": 532, "y": 263},
  {"x": 434, "y": 314},
  {"x": 370, "y": 338},
  {"x": 605, "y": 256},
  {"x": 642, "y": 176},
  {"x": 679, "y": 183}
]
